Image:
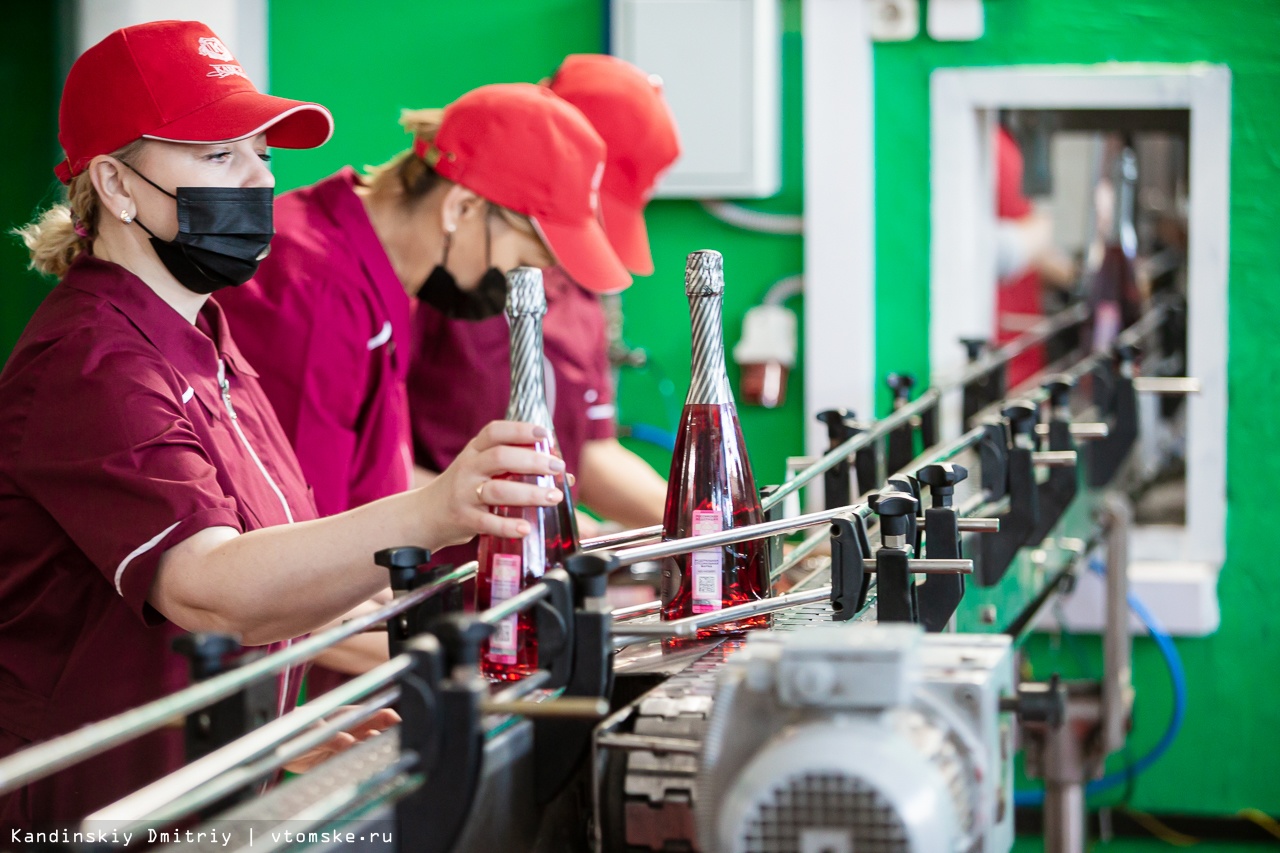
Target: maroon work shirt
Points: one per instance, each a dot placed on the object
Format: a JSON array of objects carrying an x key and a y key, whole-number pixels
[
  {"x": 327, "y": 322},
  {"x": 116, "y": 443}
]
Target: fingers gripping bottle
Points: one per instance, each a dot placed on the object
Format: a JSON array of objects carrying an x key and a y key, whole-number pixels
[
  {"x": 711, "y": 487},
  {"x": 507, "y": 566}
]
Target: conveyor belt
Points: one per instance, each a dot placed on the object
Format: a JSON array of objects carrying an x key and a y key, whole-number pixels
[{"x": 365, "y": 773}]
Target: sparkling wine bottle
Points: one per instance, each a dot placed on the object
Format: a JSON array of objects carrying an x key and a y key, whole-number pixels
[
  {"x": 506, "y": 566},
  {"x": 711, "y": 487}
]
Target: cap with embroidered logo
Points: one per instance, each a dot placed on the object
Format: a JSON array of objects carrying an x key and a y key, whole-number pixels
[
  {"x": 525, "y": 148},
  {"x": 626, "y": 107},
  {"x": 173, "y": 81}
]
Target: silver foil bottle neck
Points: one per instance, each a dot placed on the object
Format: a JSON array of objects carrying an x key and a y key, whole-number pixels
[
  {"x": 704, "y": 273},
  {"x": 526, "y": 306},
  {"x": 704, "y": 284},
  {"x": 525, "y": 294}
]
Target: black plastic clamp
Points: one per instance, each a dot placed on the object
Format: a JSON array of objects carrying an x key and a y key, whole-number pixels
[
  {"x": 561, "y": 745},
  {"x": 850, "y": 546},
  {"x": 995, "y": 552},
  {"x": 234, "y": 716},
  {"x": 939, "y": 595},
  {"x": 896, "y": 599}
]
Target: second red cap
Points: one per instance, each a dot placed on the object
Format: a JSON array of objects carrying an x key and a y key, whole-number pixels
[{"x": 525, "y": 148}]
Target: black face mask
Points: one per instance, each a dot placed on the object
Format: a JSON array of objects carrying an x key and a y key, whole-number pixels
[
  {"x": 441, "y": 290},
  {"x": 223, "y": 234}
]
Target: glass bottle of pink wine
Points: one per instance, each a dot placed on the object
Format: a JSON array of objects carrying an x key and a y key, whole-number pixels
[
  {"x": 711, "y": 487},
  {"x": 507, "y": 566}
]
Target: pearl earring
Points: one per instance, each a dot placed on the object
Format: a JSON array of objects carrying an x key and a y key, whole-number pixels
[{"x": 125, "y": 217}]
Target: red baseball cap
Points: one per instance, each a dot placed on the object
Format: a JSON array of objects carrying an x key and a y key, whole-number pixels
[
  {"x": 523, "y": 147},
  {"x": 626, "y": 107},
  {"x": 175, "y": 81}
]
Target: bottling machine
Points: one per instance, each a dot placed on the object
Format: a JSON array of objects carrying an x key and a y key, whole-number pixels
[{"x": 860, "y": 720}]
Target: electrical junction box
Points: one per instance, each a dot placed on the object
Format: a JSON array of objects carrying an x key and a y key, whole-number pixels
[{"x": 721, "y": 69}]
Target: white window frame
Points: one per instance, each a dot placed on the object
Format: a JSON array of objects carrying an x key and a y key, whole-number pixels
[{"x": 962, "y": 259}]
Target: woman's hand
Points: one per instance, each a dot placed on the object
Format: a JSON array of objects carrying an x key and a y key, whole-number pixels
[
  {"x": 462, "y": 495},
  {"x": 343, "y": 741}
]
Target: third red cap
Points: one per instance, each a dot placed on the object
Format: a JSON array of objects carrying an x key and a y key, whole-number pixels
[{"x": 626, "y": 107}]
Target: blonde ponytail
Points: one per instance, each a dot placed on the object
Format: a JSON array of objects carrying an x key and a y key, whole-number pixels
[
  {"x": 67, "y": 230},
  {"x": 407, "y": 175}
]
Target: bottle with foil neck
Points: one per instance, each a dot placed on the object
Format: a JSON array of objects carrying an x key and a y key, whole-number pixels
[
  {"x": 507, "y": 566},
  {"x": 711, "y": 487}
]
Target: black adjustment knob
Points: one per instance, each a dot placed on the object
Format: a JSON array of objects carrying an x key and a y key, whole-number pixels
[
  {"x": 1022, "y": 418},
  {"x": 901, "y": 385},
  {"x": 837, "y": 421},
  {"x": 590, "y": 575},
  {"x": 901, "y": 483},
  {"x": 403, "y": 564},
  {"x": 974, "y": 347},
  {"x": 896, "y": 509},
  {"x": 1127, "y": 353},
  {"x": 205, "y": 650},
  {"x": 1039, "y": 702},
  {"x": 461, "y": 635},
  {"x": 941, "y": 479},
  {"x": 1058, "y": 387}
]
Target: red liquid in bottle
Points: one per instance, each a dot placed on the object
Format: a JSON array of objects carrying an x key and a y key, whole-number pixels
[
  {"x": 507, "y": 566},
  {"x": 711, "y": 489}
]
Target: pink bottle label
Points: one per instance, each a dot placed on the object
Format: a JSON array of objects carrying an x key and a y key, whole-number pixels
[
  {"x": 505, "y": 584},
  {"x": 707, "y": 566}
]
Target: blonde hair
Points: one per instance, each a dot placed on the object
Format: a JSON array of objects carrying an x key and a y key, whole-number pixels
[
  {"x": 411, "y": 177},
  {"x": 52, "y": 239}
]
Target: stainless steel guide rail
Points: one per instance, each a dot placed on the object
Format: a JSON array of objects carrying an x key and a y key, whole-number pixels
[
  {"x": 1039, "y": 333},
  {"x": 926, "y": 401},
  {"x": 248, "y": 758},
  {"x": 1078, "y": 367},
  {"x": 691, "y": 625},
  {"x": 41, "y": 760},
  {"x": 746, "y": 533},
  {"x": 625, "y": 537}
]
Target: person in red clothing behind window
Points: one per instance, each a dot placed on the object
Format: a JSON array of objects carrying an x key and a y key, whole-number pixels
[
  {"x": 1026, "y": 260},
  {"x": 460, "y": 372},
  {"x": 505, "y": 176},
  {"x": 146, "y": 486}
]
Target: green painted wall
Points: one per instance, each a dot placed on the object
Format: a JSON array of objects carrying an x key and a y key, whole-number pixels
[
  {"x": 399, "y": 53},
  {"x": 29, "y": 90},
  {"x": 1225, "y": 758}
]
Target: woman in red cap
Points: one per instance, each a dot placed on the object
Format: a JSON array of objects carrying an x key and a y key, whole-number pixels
[
  {"x": 146, "y": 487},
  {"x": 460, "y": 376},
  {"x": 507, "y": 175}
]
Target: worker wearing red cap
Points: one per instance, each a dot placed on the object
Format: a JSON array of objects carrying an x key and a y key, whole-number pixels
[
  {"x": 460, "y": 373},
  {"x": 146, "y": 486},
  {"x": 507, "y": 175}
]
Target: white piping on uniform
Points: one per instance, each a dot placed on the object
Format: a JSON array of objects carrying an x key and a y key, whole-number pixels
[
  {"x": 380, "y": 338},
  {"x": 140, "y": 550},
  {"x": 235, "y": 422},
  {"x": 187, "y": 395},
  {"x": 600, "y": 412}
]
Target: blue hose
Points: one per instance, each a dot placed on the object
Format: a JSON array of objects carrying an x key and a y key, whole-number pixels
[
  {"x": 1177, "y": 677},
  {"x": 653, "y": 435}
]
